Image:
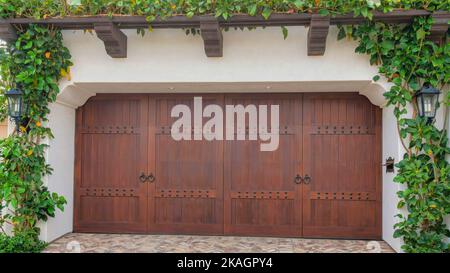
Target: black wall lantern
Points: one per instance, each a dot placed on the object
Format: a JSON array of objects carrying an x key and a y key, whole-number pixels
[
  {"x": 427, "y": 102},
  {"x": 16, "y": 106}
]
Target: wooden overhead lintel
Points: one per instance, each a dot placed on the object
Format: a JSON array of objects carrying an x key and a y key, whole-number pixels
[
  {"x": 238, "y": 20},
  {"x": 108, "y": 28},
  {"x": 212, "y": 36},
  {"x": 115, "y": 40},
  {"x": 8, "y": 33},
  {"x": 438, "y": 32},
  {"x": 317, "y": 35}
]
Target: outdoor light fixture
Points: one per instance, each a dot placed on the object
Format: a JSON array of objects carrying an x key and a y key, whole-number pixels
[
  {"x": 16, "y": 106},
  {"x": 427, "y": 99}
]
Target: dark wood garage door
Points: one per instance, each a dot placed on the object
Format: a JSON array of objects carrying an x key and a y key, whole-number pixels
[
  {"x": 261, "y": 196},
  {"x": 341, "y": 155},
  {"x": 323, "y": 180},
  {"x": 187, "y": 194},
  {"x": 111, "y": 152}
]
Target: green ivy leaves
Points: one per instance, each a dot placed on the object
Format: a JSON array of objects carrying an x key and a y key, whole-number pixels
[
  {"x": 35, "y": 63},
  {"x": 407, "y": 60},
  {"x": 221, "y": 8}
]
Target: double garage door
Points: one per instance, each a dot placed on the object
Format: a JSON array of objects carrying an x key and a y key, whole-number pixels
[{"x": 323, "y": 180}]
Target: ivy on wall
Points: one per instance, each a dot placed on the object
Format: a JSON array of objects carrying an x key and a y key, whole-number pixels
[
  {"x": 402, "y": 53},
  {"x": 408, "y": 60},
  {"x": 35, "y": 64}
]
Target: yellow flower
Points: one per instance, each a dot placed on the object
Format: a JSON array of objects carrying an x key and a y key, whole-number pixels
[
  {"x": 23, "y": 129},
  {"x": 69, "y": 75},
  {"x": 48, "y": 55},
  {"x": 433, "y": 206},
  {"x": 173, "y": 6},
  {"x": 30, "y": 152},
  {"x": 38, "y": 124},
  {"x": 66, "y": 74}
]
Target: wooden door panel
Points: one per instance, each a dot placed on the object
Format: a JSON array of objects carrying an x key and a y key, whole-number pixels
[
  {"x": 187, "y": 196},
  {"x": 230, "y": 187},
  {"x": 341, "y": 153},
  {"x": 111, "y": 154},
  {"x": 261, "y": 197}
]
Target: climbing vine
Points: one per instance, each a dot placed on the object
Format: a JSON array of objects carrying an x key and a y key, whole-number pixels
[
  {"x": 220, "y": 8},
  {"x": 34, "y": 63},
  {"x": 401, "y": 51},
  {"x": 408, "y": 61}
]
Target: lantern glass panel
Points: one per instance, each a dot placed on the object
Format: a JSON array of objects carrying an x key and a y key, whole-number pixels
[
  {"x": 429, "y": 105},
  {"x": 420, "y": 105},
  {"x": 15, "y": 106}
]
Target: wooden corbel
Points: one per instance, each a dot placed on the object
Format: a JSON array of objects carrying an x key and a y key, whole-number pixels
[
  {"x": 438, "y": 32},
  {"x": 212, "y": 36},
  {"x": 115, "y": 40},
  {"x": 317, "y": 35},
  {"x": 8, "y": 33}
]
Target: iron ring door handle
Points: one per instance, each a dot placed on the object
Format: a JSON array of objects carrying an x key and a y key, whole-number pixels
[
  {"x": 298, "y": 179},
  {"x": 151, "y": 178},
  {"x": 143, "y": 177},
  {"x": 307, "y": 179}
]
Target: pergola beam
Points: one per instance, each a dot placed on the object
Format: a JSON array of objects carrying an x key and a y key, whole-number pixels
[
  {"x": 115, "y": 40},
  {"x": 180, "y": 21},
  {"x": 108, "y": 27},
  {"x": 7, "y": 32},
  {"x": 317, "y": 35},
  {"x": 439, "y": 28},
  {"x": 212, "y": 36}
]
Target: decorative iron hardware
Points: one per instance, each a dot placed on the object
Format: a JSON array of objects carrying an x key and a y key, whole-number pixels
[
  {"x": 343, "y": 196},
  {"x": 285, "y": 195},
  {"x": 336, "y": 129},
  {"x": 143, "y": 177},
  {"x": 151, "y": 178},
  {"x": 298, "y": 179},
  {"x": 110, "y": 129},
  {"x": 307, "y": 179},
  {"x": 389, "y": 165},
  {"x": 108, "y": 192},
  {"x": 180, "y": 193}
]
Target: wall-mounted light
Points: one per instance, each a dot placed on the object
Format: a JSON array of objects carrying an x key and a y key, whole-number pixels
[
  {"x": 427, "y": 99},
  {"x": 16, "y": 106}
]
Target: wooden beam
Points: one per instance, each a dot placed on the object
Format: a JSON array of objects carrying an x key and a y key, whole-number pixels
[
  {"x": 239, "y": 20},
  {"x": 212, "y": 36},
  {"x": 8, "y": 33},
  {"x": 439, "y": 28},
  {"x": 115, "y": 40},
  {"x": 317, "y": 35}
]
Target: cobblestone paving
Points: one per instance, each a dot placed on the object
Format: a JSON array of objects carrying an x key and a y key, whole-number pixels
[{"x": 124, "y": 243}]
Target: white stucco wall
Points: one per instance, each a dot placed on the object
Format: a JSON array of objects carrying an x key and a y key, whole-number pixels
[
  {"x": 61, "y": 157},
  {"x": 170, "y": 61},
  {"x": 391, "y": 148},
  {"x": 258, "y": 61}
]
